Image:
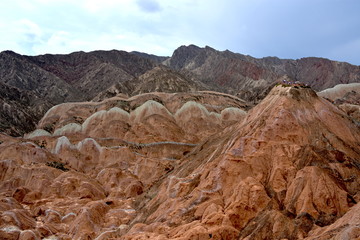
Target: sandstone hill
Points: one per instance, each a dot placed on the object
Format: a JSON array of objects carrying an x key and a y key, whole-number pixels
[
  {"x": 346, "y": 97},
  {"x": 286, "y": 171},
  {"x": 184, "y": 166},
  {"x": 343, "y": 93},
  {"x": 189, "y": 117}
]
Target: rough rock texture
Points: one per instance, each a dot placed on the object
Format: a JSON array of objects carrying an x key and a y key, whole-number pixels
[
  {"x": 346, "y": 227},
  {"x": 290, "y": 166},
  {"x": 48, "y": 80},
  {"x": 249, "y": 77},
  {"x": 19, "y": 110},
  {"x": 184, "y": 166},
  {"x": 162, "y": 79},
  {"x": 346, "y": 97},
  {"x": 52, "y": 79},
  {"x": 353, "y": 111},
  {"x": 343, "y": 93},
  {"x": 158, "y": 59},
  {"x": 26, "y": 92},
  {"x": 178, "y": 117},
  {"x": 18, "y": 71},
  {"x": 81, "y": 180}
]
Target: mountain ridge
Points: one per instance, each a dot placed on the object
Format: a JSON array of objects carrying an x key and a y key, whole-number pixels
[
  {"x": 245, "y": 73},
  {"x": 82, "y": 76}
]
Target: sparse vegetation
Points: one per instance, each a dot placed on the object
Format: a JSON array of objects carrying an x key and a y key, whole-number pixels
[
  {"x": 49, "y": 127},
  {"x": 291, "y": 84},
  {"x": 123, "y": 105},
  {"x": 142, "y": 145},
  {"x": 57, "y": 165},
  {"x": 41, "y": 144},
  {"x": 78, "y": 119}
]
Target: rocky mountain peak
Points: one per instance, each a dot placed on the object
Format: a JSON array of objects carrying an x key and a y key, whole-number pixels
[
  {"x": 182, "y": 56},
  {"x": 299, "y": 93}
]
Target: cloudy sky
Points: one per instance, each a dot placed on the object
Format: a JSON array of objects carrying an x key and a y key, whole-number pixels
[{"x": 260, "y": 28}]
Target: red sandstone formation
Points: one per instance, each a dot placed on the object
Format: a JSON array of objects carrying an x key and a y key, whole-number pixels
[{"x": 184, "y": 166}]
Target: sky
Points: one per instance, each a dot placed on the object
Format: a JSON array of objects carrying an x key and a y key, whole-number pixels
[{"x": 260, "y": 28}]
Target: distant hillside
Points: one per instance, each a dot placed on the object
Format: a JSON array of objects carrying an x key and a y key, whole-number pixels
[
  {"x": 19, "y": 110},
  {"x": 52, "y": 79},
  {"x": 158, "y": 59},
  {"x": 246, "y": 76}
]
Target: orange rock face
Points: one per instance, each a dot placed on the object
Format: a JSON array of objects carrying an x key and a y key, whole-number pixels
[{"x": 184, "y": 166}]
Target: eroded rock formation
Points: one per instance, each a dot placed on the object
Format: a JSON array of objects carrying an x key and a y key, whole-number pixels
[
  {"x": 184, "y": 166},
  {"x": 346, "y": 97}
]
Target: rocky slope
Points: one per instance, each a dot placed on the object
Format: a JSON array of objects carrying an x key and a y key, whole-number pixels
[
  {"x": 158, "y": 79},
  {"x": 284, "y": 172},
  {"x": 94, "y": 72},
  {"x": 343, "y": 93},
  {"x": 158, "y": 59},
  {"x": 79, "y": 76},
  {"x": 346, "y": 97},
  {"x": 97, "y": 75},
  {"x": 19, "y": 110},
  {"x": 184, "y": 166},
  {"x": 115, "y": 150},
  {"x": 247, "y": 77},
  {"x": 17, "y": 71},
  {"x": 162, "y": 79}
]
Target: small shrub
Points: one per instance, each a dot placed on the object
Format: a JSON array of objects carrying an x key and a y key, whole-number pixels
[
  {"x": 49, "y": 127},
  {"x": 41, "y": 144},
  {"x": 282, "y": 84},
  {"x": 57, "y": 165},
  {"x": 78, "y": 119}
]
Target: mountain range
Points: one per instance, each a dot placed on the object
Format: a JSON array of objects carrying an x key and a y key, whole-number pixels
[{"x": 32, "y": 84}]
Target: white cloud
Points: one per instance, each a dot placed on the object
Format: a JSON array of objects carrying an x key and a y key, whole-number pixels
[
  {"x": 64, "y": 42},
  {"x": 148, "y": 5},
  {"x": 20, "y": 35},
  {"x": 257, "y": 27},
  {"x": 62, "y": 26},
  {"x": 28, "y": 28},
  {"x": 58, "y": 42},
  {"x": 95, "y": 6}
]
